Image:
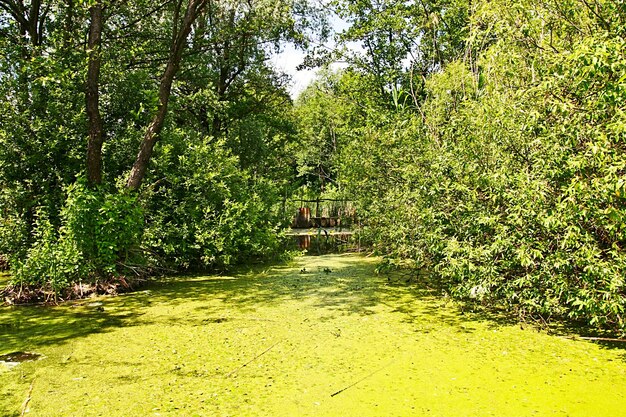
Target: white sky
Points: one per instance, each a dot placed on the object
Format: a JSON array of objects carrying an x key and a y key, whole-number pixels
[
  {"x": 287, "y": 61},
  {"x": 290, "y": 58}
]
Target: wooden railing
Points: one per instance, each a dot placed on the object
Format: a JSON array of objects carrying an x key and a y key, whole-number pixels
[{"x": 339, "y": 213}]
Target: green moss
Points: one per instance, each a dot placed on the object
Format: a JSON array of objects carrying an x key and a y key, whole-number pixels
[{"x": 280, "y": 342}]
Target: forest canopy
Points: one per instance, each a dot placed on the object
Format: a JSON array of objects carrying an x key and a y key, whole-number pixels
[
  {"x": 143, "y": 134},
  {"x": 481, "y": 142}
]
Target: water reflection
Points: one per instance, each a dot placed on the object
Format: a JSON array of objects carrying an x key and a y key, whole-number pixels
[{"x": 322, "y": 242}]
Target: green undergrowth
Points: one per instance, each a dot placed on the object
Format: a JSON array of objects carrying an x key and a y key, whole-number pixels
[
  {"x": 322, "y": 336},
  {"x": 4, "y": 279}
]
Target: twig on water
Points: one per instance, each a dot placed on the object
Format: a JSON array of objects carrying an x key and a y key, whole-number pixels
[
  {"x": 599, "y": 339},
  {"x": 252, "y": 360},
  {"x": 27, "y": 400},
  {"x": 364, "y": 378}
]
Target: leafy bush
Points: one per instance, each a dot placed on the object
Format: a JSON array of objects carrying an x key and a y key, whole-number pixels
[
  {"x": 104, "y": 226},
  {"x": 508, "y": 182},
  {"x": 50, "y": 262},
  {"x": 203, "y": 211},
  {"x": 14, "y": 226},
  {"x": 98, "y": 231}
]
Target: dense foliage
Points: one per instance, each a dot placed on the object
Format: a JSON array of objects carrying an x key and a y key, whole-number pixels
[
  {"x": 499, "y": 168},
  {"x": 483, "y": 142},
  {"x": 157, "y": 140}
]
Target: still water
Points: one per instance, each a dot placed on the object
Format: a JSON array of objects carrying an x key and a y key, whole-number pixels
[{"x": 321, "y": 242}]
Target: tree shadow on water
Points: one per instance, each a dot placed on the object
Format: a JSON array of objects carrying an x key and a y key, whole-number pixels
[
  {"x": 331, "y": 285},
  {"x": 35, "y": 326}
]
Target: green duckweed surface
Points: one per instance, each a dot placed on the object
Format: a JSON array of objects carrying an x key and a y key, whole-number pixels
[{"x": 281, "y": 342}]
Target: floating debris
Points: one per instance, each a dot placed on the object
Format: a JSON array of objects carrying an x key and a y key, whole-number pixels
[
  {"x": 11, "y": 360},
  {"x": 20, "y": 357},
  {"x": 215, "y": 320}
]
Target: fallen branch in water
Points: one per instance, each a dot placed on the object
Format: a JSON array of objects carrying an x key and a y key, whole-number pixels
[
  {"x": 27, "y": 400},
  {"x": 364, "y": 378},
  {"x": 599, "y": 339},
  {"x": 252, "y": 360}
]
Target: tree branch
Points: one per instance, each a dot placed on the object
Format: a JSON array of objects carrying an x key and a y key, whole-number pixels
[{"x": 138, "y": 171}]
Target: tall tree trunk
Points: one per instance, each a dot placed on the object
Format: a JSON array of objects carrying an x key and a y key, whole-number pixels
[
  {"x": 92, "y": 97},
  {"x": 179, "y": 40},
  {"x": 34, "y": 29},
  {"x": 30, "y": 20}
]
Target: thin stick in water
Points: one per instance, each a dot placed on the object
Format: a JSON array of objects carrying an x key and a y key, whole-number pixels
[
  {"x": 27, "y": 400},
  {"x": 364, "y": 378},
  {"x": 600, "y": 339},
  {"x": 252, "y": 360}
]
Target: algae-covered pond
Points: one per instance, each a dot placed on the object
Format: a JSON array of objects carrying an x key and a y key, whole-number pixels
[{"x": 296, "y": 341}]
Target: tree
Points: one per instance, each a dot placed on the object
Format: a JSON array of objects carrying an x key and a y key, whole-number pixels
[
  {"x": 116, "y": 89},
  {"x": 30, "y": 18},
  {"x": 505, "y": 179},
  {"x": 179, "y": 41},
  {"x": 401, "y": 40},
  {"x": 92, "y": 95}
]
